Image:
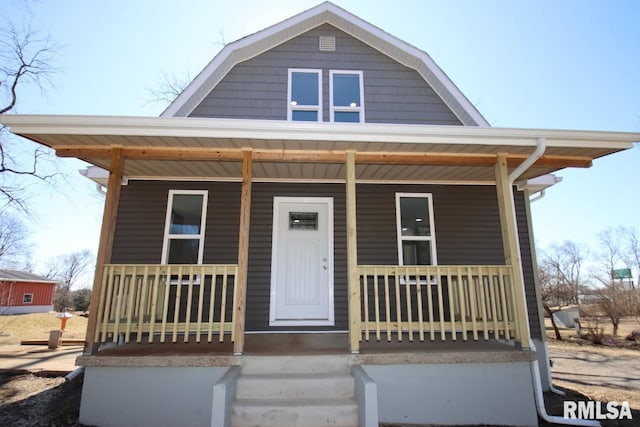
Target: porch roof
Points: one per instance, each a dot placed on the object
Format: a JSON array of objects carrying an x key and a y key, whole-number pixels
[{"x": 210, "y": 148}]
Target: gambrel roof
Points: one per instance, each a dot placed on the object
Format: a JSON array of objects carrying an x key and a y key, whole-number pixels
[{"x": 325, "y": 13}]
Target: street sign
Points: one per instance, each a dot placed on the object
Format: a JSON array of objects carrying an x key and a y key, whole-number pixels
[{"x": 623, "y": 273}]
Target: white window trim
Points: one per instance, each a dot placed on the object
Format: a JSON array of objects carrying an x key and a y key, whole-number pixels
[
  {"x": 431, "y": 238},
  {"x": 167, "y": 226},
  {"x": 290, "y": 108},
  {"x": 24, "y": 296},
  {"x": 332, "y": 108}
]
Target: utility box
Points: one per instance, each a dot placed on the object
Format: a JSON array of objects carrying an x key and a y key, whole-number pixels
[{"x": 55, "y": 339}]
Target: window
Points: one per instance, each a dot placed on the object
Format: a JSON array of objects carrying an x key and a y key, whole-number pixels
[
  {"x": 27, "y": 298},
  {"x": 305, "y": 95},
  {"x": 184, "y": 227},
  {"x": 345, "y": 89},
  {"x": 416, "y": 233}
]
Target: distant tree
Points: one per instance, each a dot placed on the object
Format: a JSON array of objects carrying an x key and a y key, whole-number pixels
[
  {"x": 68, "y": 270},
  {"x": 25, "y": 59},
  {"x": 15, "y": 246},
  {"x": 614, "y": 297},
  {"x": 81, "y": 298},
  {"x": 560, "y": 273}
]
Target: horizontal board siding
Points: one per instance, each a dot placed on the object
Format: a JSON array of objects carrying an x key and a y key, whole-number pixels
[
  {"x": 13, "y": 293},
  {"x": 393, "y": 93},
  {"x": 466, "y": 223}
]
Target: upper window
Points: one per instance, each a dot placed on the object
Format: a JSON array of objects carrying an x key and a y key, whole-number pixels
[
  {"x": 184, "y": 227},
  {"x": 305, "y": 95},
  {"x": 416, "y": 233},
  {"x": 27, "y": 298},
  {"x": 346, "y": 96}
]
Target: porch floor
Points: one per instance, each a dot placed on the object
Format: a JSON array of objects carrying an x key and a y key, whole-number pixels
[{"x": 307, "y": 344}]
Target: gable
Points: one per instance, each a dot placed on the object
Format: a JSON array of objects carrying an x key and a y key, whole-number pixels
[
  {"x": 263, "y": 41},
  {"x": 393, "y": 93}
]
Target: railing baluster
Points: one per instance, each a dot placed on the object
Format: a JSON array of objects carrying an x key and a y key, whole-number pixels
[
  {"x": 492, "y": 298},
  {"x": 419, "y": 303},
  {"x": 365, "y": 293},
  {"x": 462, "y": 298},
  {"x": 398, "y": 312},
  {"x": 483, "y": 303},
  {"x": 176, "y": 310},
  {"x": 503, "y": 308},
  {"x": 212, "y": 302},
  {"x": 387, "y": 304},
  {"x": 130, "y": 305},
  {"x": 187, "y": 324},
  {"x": 472, "y": 302},
  {"x": 154, "y": 299},
  {"x": 452, "y": 304},
  {"x": 203, "y": 280},
  {"x": 407, "y": 286},
  {"x": 223, "y": 304},
  {"x": 165, "y": 304},
  {"x": 118, "y": 305},
  {"x": 440, "y": 304},
  {"x": 376, "y": 302}
]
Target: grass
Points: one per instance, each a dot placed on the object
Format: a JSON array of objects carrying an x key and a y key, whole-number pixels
[
  {"x": 16, "y": 328},
  {"x": 627, "y": 325}
]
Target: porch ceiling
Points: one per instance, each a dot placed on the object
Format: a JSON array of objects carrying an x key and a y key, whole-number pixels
[{"x": 204, "y": 148}]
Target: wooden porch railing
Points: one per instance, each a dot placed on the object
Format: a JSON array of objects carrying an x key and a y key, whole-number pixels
[
  {"x": 151, "y": 302},
  {"x": 453, "y": 301}
]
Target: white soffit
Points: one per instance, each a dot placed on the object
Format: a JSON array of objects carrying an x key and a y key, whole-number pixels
[{"x": 327, "y": 12}]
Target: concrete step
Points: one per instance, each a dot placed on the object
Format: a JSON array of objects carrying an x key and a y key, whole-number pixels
[
  {"x": 294, "y": 413},
  {"x": 295, "y": 364},
  {"x": 294, "y": 386}
]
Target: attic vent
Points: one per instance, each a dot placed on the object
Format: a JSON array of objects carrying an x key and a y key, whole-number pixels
[{"x": 327, "y": 44}]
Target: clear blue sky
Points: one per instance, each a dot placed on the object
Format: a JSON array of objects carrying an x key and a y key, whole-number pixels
[{"x": 542, "y": 64}]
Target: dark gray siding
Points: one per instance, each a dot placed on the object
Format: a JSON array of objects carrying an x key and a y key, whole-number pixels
[
  {"x": 466, "y": 223},
  {"x": 393, "y": 93}
]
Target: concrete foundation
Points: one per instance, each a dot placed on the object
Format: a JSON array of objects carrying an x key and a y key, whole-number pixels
[
  {"x": 459, "y": 394},
  {"x": 148, "y": 396}
]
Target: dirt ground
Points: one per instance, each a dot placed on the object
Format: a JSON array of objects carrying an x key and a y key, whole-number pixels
[{"x": 584, "y": 371}]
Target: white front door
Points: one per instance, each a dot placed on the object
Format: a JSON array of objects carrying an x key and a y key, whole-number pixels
[{"x": 302, "y": 262}]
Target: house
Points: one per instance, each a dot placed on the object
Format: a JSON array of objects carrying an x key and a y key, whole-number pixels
[
  {"x": 320, "y": 230},
  {"x": 22, "y": 292}
]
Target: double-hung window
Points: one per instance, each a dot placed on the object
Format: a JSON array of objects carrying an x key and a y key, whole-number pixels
[
  {"x": 346, "y": 96},
  {"x": 416, "y": 233},
  {"x": 304, "y": 95},
  {"x": 184, "y": 227}
]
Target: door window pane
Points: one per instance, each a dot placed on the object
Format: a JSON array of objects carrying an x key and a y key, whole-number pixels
[
  {"x": 303, "y": 220},
  {"x": 414, "y": 216}
]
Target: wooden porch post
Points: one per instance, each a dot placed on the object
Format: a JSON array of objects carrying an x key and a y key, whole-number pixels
[
  {"x": 107, "y": 233},
  {"x": 240, "y": 289},
  {"x": 511, "y": 246},
  {"x": 352, "y": 255}
]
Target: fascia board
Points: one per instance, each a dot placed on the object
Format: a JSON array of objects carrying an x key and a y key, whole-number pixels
[{"x": 299, "y": 131}]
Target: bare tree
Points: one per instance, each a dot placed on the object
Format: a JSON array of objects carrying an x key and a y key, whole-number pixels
[
  {"x": 168, "y": 87},
  {"x": 560, "y": 272},
  {"x": 68, "y": 270},
  {"x": 15, "y": 246},
  {"x": 25, "y": 59},
  {"x": 614, "y": 297},
  {"x": 631, "y": 251}
]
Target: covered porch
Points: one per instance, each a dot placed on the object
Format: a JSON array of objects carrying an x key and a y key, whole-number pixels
[{"x": 406, "y": 305}]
